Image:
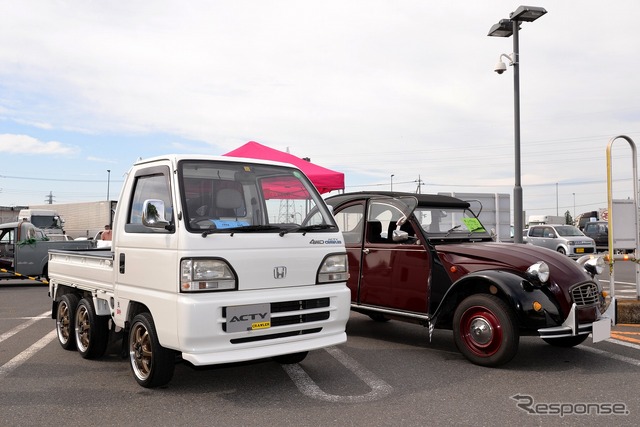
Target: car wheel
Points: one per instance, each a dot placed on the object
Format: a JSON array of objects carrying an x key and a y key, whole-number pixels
[
  {"x": 484, "y": 330},
  {"x": 566, "y": 341},
  {"x": 91, "y": 330},
  {"x": 65, "y": 321},
  {"x": 152, "y": 365},
  {"x": 562, "y": 251},
  {"x": 289, "y": 359}
]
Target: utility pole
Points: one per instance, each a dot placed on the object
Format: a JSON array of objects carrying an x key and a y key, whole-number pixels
[{"x": 49, "y": 199}]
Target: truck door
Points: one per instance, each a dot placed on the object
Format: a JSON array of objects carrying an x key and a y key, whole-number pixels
[{"x": 394, "y": 274}]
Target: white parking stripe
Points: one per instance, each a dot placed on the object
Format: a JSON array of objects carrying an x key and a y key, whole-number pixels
[
  {"x": 31, "y": 321},
  {"x": 308, "y": 387},
  {"x": 618, "y": 357},
  {"x": 25, "y": 355}
]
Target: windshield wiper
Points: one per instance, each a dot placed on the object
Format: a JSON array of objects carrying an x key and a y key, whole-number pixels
[
  {"x": 241, "y": 229},
  {"x": 451, "y": 229},
  {"x": 306, "y": 228}
]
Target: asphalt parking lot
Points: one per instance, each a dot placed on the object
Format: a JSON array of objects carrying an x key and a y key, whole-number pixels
[{"x": 386, "y": 374}]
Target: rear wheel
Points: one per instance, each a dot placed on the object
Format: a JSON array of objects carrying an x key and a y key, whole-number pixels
[
  {"x": 91, "y": 331},
  {"x": 566, "y": 341},
  {"x": 152, "y": 365},
  {"x": 289, "y": 359},
  {"x": 65, "y": 321},
  {"x": 484, "y": 330}
]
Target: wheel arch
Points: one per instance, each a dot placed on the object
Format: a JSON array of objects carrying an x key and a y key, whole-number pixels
[{"x": 503, "y": 284}]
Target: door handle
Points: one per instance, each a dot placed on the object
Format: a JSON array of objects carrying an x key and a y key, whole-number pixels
[{"x": 365, "y": 251}]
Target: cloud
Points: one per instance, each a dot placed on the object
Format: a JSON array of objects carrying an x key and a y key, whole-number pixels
[{"x": 24, "y": 144}]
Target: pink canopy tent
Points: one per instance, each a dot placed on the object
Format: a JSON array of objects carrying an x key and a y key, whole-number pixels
[{"x": 324, "y": 179}]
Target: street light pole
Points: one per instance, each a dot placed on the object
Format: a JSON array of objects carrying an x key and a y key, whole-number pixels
[
  {"x": 108, "y": 182},
  {"x": 392, "y": 175},
  {"x": 507, "y": 28}
]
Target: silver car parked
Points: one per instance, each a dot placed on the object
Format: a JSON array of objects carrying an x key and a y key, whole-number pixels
[{"x": 566, "y": 239}]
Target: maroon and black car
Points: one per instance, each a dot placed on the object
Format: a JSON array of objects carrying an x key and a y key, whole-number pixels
[{"x": 427, "y": 259}]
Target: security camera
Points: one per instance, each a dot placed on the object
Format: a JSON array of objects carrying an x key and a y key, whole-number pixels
[{"x": 501, "y": 67}]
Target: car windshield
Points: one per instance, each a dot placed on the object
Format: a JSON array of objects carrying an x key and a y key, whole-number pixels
[
  {"x": 221, "y": 197},
  {"x": 445, "y": 222},
  {"x": 568, "y": 231}
]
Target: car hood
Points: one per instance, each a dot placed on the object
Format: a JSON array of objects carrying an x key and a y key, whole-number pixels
[{"x": 512, "y": 256}]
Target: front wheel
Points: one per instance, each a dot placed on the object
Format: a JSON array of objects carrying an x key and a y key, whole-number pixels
[
  {"x": 92, "y": 331},
  {"x": 484, "y": 330},
  {"x": 566, "y": 341},
  {"x": 562, "y": 251},
  {"x": 65, "y": 321},
  {"x": 152, "y": 365}
]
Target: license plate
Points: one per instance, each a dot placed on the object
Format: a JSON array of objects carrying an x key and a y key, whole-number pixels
[
  {"x": 242, "y": 318},
  {"x": 579, "y": 250}
]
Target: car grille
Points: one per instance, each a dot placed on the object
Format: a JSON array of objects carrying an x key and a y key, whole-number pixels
[
  {"x": 585, "y": 294},
  {"x": 293, "y": 315}
]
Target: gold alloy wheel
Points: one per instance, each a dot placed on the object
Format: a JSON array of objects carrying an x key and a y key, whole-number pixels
[
  {"x": 140, "y": 351},
  {"x": 83, "y": 328},
  {"x": 64, "y": 321}
]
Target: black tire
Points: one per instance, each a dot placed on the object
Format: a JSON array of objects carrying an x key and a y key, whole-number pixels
[
  {"x": 152, "y": 365},
  {"x": 378, "y": 317},
  {"x": 484, "y": 330},
  {"x": 290, "y": 359},
  {"x": 91, "y": 331},
  {"x": 562, "y": 251},
  {"x": 65, "y": 321},
  {"x": 566, "y": 341}
]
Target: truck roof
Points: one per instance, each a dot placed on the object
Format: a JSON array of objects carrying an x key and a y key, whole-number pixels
[{"x": 228, "y": 159}]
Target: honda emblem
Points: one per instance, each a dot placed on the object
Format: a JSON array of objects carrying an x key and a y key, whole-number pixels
[{"x": 279, "y": 272}]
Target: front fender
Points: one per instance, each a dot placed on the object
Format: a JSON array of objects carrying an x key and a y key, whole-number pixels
[{"x": 516, "y": 291}]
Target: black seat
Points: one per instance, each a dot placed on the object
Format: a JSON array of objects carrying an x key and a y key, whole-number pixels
[{"x": 374, "y": 232}]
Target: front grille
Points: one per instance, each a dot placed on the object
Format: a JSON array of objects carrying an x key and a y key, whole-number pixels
[
  {"x": 293, "y": 315},
  {"x": 585, "y": 294}
]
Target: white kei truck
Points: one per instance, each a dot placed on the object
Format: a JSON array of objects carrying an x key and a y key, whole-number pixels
[{"x": 213, "y": 260}]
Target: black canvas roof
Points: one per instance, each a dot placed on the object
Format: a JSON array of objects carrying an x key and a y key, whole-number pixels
[{"x": 435, "y": 200}]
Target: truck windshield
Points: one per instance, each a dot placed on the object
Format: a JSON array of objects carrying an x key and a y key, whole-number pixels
[
  {"x": 223, "y": 197},
  {"x": 450, "y": 222}
]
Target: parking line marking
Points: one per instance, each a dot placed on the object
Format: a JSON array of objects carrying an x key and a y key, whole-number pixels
[
  {"x": 20, "y": 327},
  {"x": 308, "y": 387},
  {"x": 25, "y": 355},
  {"x": 610, "y": 355}
]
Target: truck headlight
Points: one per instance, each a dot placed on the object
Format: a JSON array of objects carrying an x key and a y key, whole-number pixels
[
  {"x": 334, "y": 268},
  {"x": 206, "y": 275},
  {"x": 539, "y": 272}
]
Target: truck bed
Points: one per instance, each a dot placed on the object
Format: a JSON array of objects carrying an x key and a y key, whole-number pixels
[{"x": 90, "y": 269}]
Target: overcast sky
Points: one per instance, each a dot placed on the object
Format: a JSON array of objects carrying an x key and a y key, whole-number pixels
[{"x": 369, "y": 88}]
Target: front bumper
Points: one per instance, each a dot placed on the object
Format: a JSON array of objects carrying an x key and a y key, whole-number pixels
[{"x": 601, "y": 328}]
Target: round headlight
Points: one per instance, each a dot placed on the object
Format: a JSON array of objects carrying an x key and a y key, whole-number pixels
[
  {"x": 539, "y": 271},
  {"x": 594, "y": 265}
]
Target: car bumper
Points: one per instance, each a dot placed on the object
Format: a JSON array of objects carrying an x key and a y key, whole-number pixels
[{"x": 601, "y": 328}]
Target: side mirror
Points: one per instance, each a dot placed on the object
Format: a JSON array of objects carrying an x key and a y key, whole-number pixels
[
  {"x": 153, "y": 214},
  {"x": 399, "y": 236}
]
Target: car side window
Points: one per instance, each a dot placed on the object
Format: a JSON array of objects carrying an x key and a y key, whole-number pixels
[
  {"x": 154, "y": 185},
  {"x": 350, "y": 221}
]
